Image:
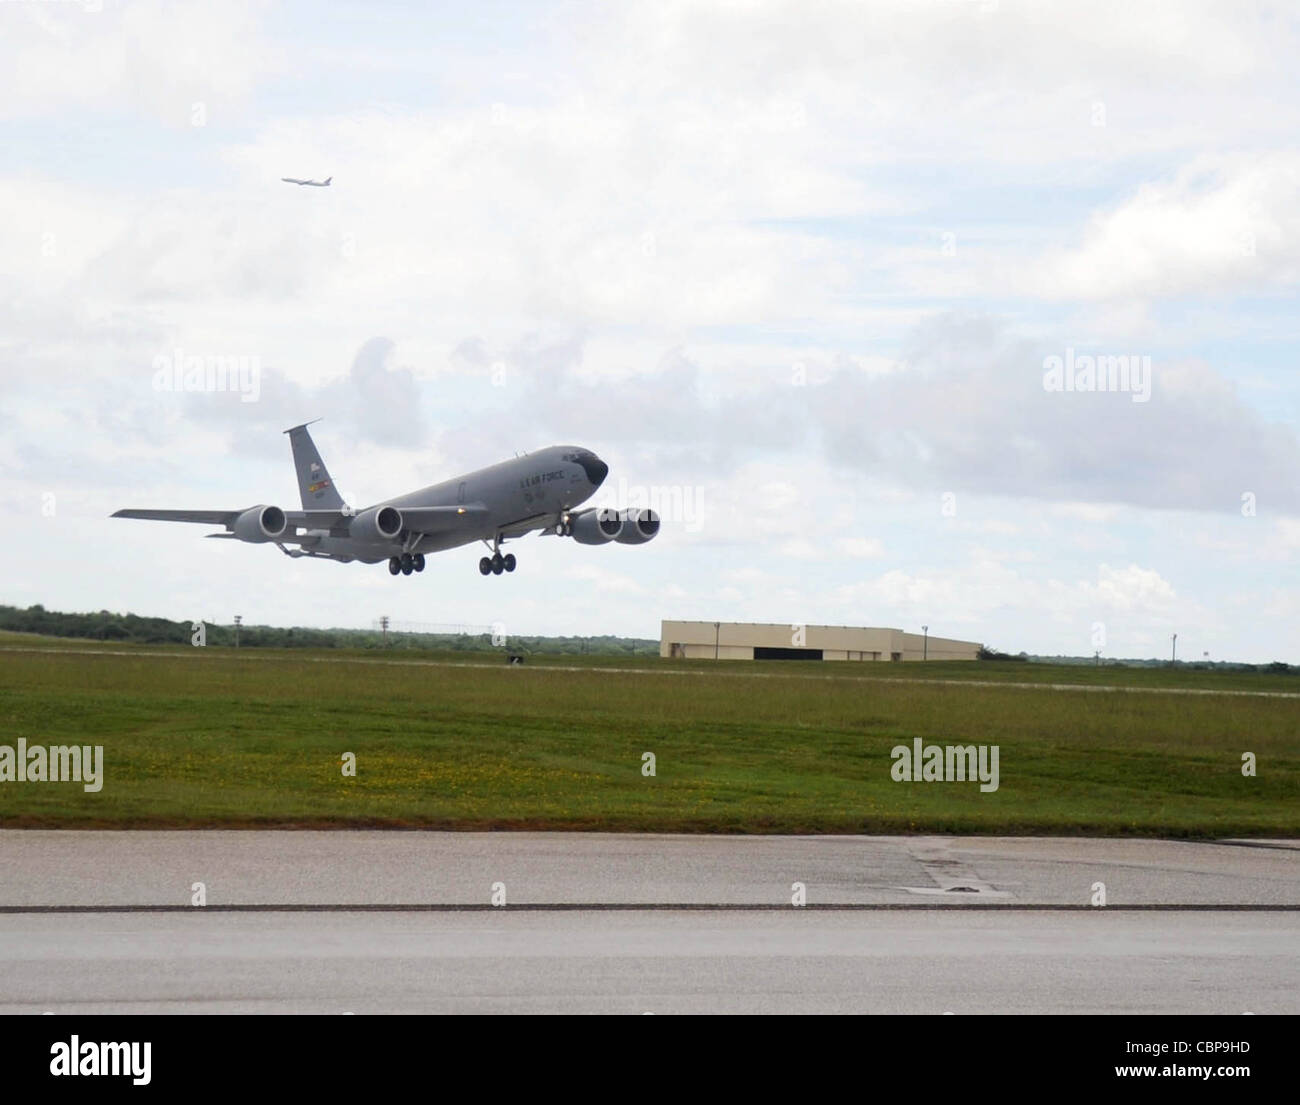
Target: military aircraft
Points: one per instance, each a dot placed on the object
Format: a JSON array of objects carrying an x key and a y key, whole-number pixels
[
  {"x": 310, "y": 183},
  {"x": 534, "y": 491}
]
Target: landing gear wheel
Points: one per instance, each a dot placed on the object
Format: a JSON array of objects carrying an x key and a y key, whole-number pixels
[
  {"x": 498, "y": 564},
  {"x": 417, "y": 562},
  {"x": 485, "y": 566},
  {"x": 394, "y": 565},
  {"x": 407, "y": 566},
  {"x": 509, "y": 562}
]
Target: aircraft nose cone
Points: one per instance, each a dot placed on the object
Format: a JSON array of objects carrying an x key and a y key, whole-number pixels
[{"x": 595, "y": 468}]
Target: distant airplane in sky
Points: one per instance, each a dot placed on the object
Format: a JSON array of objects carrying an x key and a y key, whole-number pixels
[
  {"x": 310, "y": 183},
  {"x": 534, "y": 491}
]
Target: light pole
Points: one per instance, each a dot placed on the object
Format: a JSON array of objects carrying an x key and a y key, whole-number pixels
[
  {"x": 1173, "y": 656},
  {"x": 239, "y": 618},
  {"x": 925, "y": 642},
  {"x": 717, "y": 636},
  {"x": 383, "y": 623}
]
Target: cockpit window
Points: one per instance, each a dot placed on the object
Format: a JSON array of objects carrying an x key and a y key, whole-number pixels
[{"x": 595, "y": 468}]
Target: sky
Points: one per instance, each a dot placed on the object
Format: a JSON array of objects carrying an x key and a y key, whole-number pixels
[{"x": 822, "y": 281}]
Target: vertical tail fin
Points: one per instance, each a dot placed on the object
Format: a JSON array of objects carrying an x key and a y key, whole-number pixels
[{"x": 314, "y": 483}]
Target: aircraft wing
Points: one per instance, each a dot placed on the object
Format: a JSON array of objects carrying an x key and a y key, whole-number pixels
[
  {"x": 422, "y": 519},
  {"x": 332, "y": 520},
  {"x": 419, "y": 519},
  {"x": 302, "y": 519},
  {"x": 204, "y": 517}
]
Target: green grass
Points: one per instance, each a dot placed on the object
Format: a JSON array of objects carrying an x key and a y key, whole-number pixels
[{"x": 212, "y": 738}]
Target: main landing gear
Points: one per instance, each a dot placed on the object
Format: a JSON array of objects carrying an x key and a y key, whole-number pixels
[
  {"x": 495, "y": 564},
  {"x": 406, "y": 564}
]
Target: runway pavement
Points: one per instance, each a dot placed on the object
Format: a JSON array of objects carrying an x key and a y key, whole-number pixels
[
  {"x": 930, "y": 924},
  {"x": 636, "y": 962},
  {"x": 63, "y": 867}
]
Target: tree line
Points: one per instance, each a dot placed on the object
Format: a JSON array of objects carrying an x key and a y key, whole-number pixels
[{"x": 134, "y": 629}]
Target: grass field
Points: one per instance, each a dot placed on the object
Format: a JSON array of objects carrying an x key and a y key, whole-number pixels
[{"x": 208, "y": 737}]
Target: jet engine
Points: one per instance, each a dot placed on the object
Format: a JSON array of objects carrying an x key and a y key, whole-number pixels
[
  {"x": 260, "y": 524},
  {"x": 596, "y": 527},
  {"x": 639, "y": 526},
  {"x": 379, "y": 523}
]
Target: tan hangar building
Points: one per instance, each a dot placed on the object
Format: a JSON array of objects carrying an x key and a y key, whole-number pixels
[{"x": 762, "y": 641}]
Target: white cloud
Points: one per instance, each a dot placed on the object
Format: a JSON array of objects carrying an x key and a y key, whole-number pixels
[
  {"x": 1124, "y": 589},
  {"x": 1085, "y": 512},
  {"x": 862, "y": 547},
  {"x": 605, "y": 580},
  {"x": 1222, "y": 223},
  {"x": 147, "y": 55},
  {"x": 800, "y": 549}
]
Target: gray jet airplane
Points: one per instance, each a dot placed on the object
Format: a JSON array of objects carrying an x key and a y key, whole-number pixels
[
  {"x": 535, "y": 491},
  {"x": 310, "y": 183}
]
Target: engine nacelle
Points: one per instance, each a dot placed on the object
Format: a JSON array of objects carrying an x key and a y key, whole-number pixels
[
  {"x": 639, "y": 526},
  {"x": 379, "y": 523},
  {"x": 260, "y": 524},
  {"x": 596, "y": 527}
]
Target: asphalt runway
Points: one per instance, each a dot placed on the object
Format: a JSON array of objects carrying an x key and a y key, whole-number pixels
[
  {"x": 81, "y": 868},
  {"x": 403, "y": 922}
]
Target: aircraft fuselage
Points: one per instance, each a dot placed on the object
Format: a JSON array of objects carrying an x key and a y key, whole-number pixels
[
  {"x": 539, "y": 491},
  {"x": 521, "y": 494}
]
